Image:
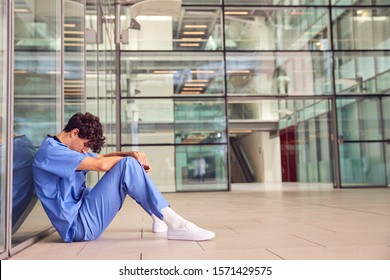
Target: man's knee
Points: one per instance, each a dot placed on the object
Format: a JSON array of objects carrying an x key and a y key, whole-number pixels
[{"x": 130, "y": 161}]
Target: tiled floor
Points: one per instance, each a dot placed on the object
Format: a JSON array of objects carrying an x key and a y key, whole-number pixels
[{"x": 253, "y": 221}]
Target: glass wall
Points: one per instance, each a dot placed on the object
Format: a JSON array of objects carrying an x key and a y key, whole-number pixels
[
  {"x": 362, "y": 152},
  {"x": 183, "y": 70},
  {"x": 278, "y": 73},
  {"x": 305, "y": 129},
  {"x": 74, "y": 57},
  {"x": 37, "y": 104},
  {"x": 172, "y": 106},
  {"x": 3, "y": 115},
  {"x": 362, "y": 72},
  {"x": 277, "y": 28}
]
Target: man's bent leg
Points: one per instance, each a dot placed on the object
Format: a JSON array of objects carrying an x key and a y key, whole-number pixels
[{"x": 106, "y": 198}]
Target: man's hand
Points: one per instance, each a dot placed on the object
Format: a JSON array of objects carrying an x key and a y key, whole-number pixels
[{"x": 141, "y": 157}]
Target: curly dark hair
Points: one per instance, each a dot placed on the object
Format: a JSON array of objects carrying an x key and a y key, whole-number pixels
[{"x": 90, "y": 128}]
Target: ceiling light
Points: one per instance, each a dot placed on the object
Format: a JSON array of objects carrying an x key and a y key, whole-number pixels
[
  {"x": 73, "y": 45},
  {"x": 238, "y": 71},
  {"x": 198, "y": 81},
  {"x": 194, "y": 85},
  {"x": 192, "y": 88},
  {"x": 73, "y": 39},
  {"x": 191, "y": 39},
  {"x": 202, "y": 71},
  {"x": 165, "y": 72},
  {"x": 195, "y": 26},
  {"x": 193, "y": 32},
  {"x": 20, "y": 71},
  {"x": 74, "y": 32},
  {"x": 70, "y": 25},
  {"x": 190, "y": 92},
  {"x": 237, "y": 13},
  {"x": 22, "y": 11},
  {"x": 189, "y": 45}
]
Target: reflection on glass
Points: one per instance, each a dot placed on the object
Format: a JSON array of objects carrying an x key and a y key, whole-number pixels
[
  {"x": 361, "y": 28},
  {"x": 168, "y": 74},
  {"x": 162, "y": 160},
  {"x": 147, "y": 121},
  {"x": 359, "y": 119},
  {"x": 278, "y": 73},
  {"x": 305, "y": 141},
  {"x": 256, "y": 110},
  {"x": 3, "y": 102},
  {"x": 23, "y": 191},
  {"x": 200, "y": 122},
  {"x": 277, "y": 29},
  {"x": 362, "y": 72},
  {"x": 37, "y": 89},
  {"x": 201, "y": 168},
  {"x": 74, "y": 57},
  {"x": 362, "y": 164},
  {"x": 359, "y": 2},
  {"x": 192, "y": 28},
  {"x": 386, "y": 118}
]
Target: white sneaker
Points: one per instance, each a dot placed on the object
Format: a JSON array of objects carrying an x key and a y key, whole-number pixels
[
  {"x": 190, "y": 232},
  {"x": 159, "y": 226}
]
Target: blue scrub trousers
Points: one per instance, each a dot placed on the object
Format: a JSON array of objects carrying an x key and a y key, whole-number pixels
[{"x": 104, "y": 201}]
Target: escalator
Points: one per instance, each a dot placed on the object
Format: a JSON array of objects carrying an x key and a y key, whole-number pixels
[{"x": 241, "y": 168}]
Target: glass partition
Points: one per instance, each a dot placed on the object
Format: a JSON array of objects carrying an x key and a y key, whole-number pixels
[
  {"x": 304, "y": 129},
  {"x": 360, "y": 120},
  {"x": 162, "y": 160},
  {"x": 157, "y": 74},
  {"x": 193, "y": 28},
  {"x": 361, "y": 28},
  {"x": 74, "y": 57},
  {"x": 362, "y": 72},
  {"x": 277, "y": 28},
  {"x": 254, "y": 110},
  {"x": 386, "y": 118},
  {"x": 362, "y": 164},
  {"x": 201, "y": 167},
  {"x": 200, "y": 121},
  {"x": 3, "y": 115},
  {"x": 276, "y": 73},
  {"x": 359, "y": 2},
  {"x": 147, "y": 121},
  {"x": 37, "y": 101},
  {"x": 362, "y": 132}
]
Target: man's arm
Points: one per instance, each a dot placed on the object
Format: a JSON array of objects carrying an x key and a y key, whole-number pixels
[{"x": 106, "y": 162}]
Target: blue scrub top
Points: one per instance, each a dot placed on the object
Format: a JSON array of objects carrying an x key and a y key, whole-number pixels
[{"x": 59, "y": 185}]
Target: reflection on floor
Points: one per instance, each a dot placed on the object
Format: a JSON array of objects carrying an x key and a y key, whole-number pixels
[{"x": 253, "y": 221}]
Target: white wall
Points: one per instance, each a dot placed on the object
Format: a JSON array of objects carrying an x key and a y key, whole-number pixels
[{"x": 264, "y": 154}]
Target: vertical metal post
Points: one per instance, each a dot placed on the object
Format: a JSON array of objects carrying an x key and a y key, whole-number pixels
[
  {"x": 117, "y": 31},
  {"x": 62, "y": 70},
  {"x": 9, "y": 127},
  {"x": 228, "y": 163},
  {"x": 334, "y": 127}
]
